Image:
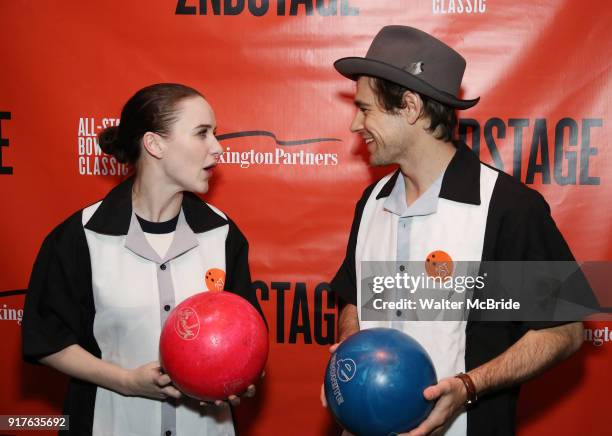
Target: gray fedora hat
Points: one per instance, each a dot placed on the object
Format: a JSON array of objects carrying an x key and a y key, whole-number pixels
[{"x": 413, "y": 59}]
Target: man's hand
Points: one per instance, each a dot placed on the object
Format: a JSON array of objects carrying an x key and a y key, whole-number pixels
[
  {"x": 323, "y": 400},
  {"x": 234, "y": 400},
  {"x": 450, "y": 396},
  {"x": 348, "y": 324},
  {"x": 149, "y": 381}
]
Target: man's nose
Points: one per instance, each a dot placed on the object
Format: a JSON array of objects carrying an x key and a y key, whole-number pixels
[{"x": 357, "y": 123}]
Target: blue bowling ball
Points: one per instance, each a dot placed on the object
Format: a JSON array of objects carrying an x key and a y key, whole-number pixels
[{"x": 374, "y": 383}]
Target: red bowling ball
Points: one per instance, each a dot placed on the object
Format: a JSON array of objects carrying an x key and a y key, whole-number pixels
[{"x": 213, "y": 345}]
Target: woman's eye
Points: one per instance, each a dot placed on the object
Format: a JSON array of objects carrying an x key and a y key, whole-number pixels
[{"x": 203, "y": 133}]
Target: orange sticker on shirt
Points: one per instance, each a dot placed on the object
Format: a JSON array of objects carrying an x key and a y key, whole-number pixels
[
  {"x": 215, "y": 279},
  {"x": 439, "y": 264}
]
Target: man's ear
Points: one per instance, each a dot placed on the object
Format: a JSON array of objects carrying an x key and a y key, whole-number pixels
[
  {"x": 153, "y": 144},
  {"x": 413, "y": 106}
]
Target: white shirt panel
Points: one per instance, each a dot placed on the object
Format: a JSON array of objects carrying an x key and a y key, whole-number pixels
[
  {"x": 127, "y": 328},
  {"x": 456, "y": 228},
  {"x": 188, "y": 271}
]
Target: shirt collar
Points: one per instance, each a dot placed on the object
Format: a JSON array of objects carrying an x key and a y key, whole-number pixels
[
  {"x": 113, "y": 216},
  {"x": 184, "y": 240},
  {"x": 461, "y": 180},
  {"x": 426, "y": 204}
]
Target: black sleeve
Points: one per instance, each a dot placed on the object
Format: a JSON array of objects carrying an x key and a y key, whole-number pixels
[
  {"x": 59, "y": 301},
  {"x": 534, "y": 235},
  {"x": 344, "y": 283},
  {"x": 238, "y": 275},
  {"x": 539, "y": 244}
]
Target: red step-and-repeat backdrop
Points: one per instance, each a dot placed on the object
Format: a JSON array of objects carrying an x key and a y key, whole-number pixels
[{"x": 543, "y": 72}]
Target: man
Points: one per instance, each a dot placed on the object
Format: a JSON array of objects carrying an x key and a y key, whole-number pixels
[{"x": 444, "y": 200}]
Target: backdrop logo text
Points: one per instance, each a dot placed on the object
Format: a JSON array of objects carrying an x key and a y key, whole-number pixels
[
  {"x": 258, "y": 8},
  {"x": 459, "y": 6},
  {"x": 92, "y": 161},
  {"x": 560, "y": 152},
  {"x": 309, "y": 319},
  {"x": 4, "y": 142},
  {"x": 598, "y": 337},
  {"x": 9, "y": 313},
  {"x": 282, "y": 155}
]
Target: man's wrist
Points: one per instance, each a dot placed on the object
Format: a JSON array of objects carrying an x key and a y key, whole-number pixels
[{"x": 470, "y": 389}]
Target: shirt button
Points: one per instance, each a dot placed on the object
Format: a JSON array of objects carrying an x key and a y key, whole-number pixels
[
  {"x": 162, "y": 267},
  {"x": 167, "y": 307},
  {"x": 398, "y": 313},
  {"x": 168, "y": 433},
  {"x": 402, "y": 267}
]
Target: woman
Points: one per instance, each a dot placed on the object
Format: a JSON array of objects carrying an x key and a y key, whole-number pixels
[{"x": 107, "y": 277}]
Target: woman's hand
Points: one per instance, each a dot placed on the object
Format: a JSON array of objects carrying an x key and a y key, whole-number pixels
[
  {"x": 149, "y": 381},
  {"x": 144, "y": 381}
]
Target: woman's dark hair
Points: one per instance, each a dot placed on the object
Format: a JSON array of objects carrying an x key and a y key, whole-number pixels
[
  {"x": 152, "y": 109},
  {"x": 442, "y": 118}
]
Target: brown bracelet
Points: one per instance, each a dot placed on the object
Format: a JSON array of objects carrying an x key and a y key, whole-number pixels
[{"x": 472, "y": 397}]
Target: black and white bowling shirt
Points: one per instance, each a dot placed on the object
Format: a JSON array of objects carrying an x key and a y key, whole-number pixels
[
  {"x": 97, "y": 282},
  {"x": 482, "y": 214}
]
